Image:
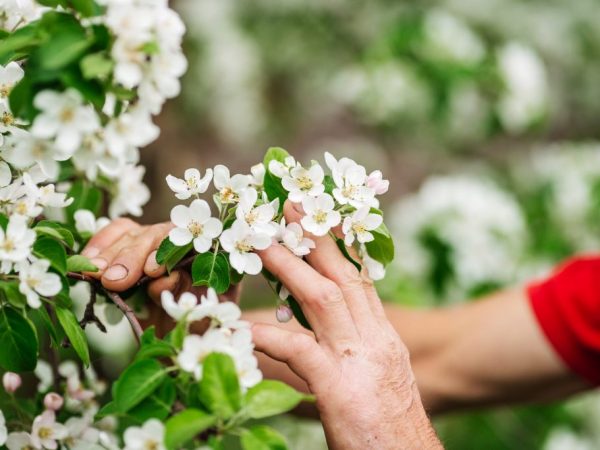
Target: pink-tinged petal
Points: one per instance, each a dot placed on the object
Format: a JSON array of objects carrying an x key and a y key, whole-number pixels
[
  {"x": 253, "y": 264},
  {"x": 221, "y": 176},
  {"x": 212, "y": 227},
  {"x": 199, "y": 210},
  {"x": 238, "y": 261},
  {"x": 180, "y": 216},
  {"x": 202, "y": 244},
  {"x": 180, "y": 236}
]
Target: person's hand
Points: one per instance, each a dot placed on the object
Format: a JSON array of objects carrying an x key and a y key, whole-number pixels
[{"x": 355, "y": 363}]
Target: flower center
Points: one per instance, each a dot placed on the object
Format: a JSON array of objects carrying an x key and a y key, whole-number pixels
[
  {"x": 192, "y": 183},
  {"x": 67, "y": 115},
  {"x": 45, "y": 432},
  {"x": 320, "y": 216},
  {"x": 228, "y": 195},
  {"x": 5, "y": 90},
  {"x": 243, "y": 246},
  {"x": 21, "y": 208},
  {"x": 251, "y": 217},
  {"x": 358, "y": 228},
  {"x": 33, "y": 282},
  {"x": 196, "y": 228},
  {"x": 151, "y": 445},
  {"x": 349, "y": 191},
  {"x": 8, "y": 245},
  {"x": 305, "y": 183},
  {"x": 7, "y": 119}
]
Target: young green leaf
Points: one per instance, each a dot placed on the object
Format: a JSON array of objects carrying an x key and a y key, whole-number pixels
[
  {"x": 9, "y": 292},
  {"x": 211, "y": 269},
  {"x": 271, "y": 183},
  {"x": 298, "y": 313},
  {"x": 53, "y": 251},
  {"x": 270, "y": 397},
  {"x": 169, "y": 254},
  {"x": 186, "y": 425},
  {"x": 219, "y": 387},
  {"x": 158, "y": 405},
  {"x": 85, "y": 196},
  {"x": 137, "y": 382},
  {"x": 56, "y": 231},
  {"x": 96, "y": 65},
  {"x": 79, "y": 263},
  {"x": 261, "y": 437},
  {"x": 20, "y": 347},
  {"x": 74, "y": 332},
  {"x": 381, "y": 248}
]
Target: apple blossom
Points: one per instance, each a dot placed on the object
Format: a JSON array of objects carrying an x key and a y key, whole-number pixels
[
  {"x": 302, "y": 182},
  {"x": 292, "y": 237},
  {"x": 43, "y": 371},
  {"x": 229, "y": 187},
  {"x": 10, "y": 75},
  {"x": 19, "y": 441},
  {"x": 375, "y": 269},
  {"x": 376, "y": 182},
  {"x": 11, "y": 382},
  {"x": 240, "y": 241},
  {"x": 320, "y": 215},
  {"x": 284, "y": 313},
  {"x": 196, "y": 348},
  {"x": 257, "y": 217},
  {"x": 257, "y": 172},
  {"x": 192, "y": 183},
  {"x": 224, "y": 315},
  {"x": 82, "y": 435},
  {"x": 350, "y": 178},
  {"x": 194, "y": 224},
  {"x": 86, "y": 222},
  {"x": 131, "y": 193},
  {"x": 46, "y": 431},
  {"x": 64, "y": 117},
  {"x": 133, "y": 128},
  {"x": 3, "y": 430},
  {"x": 36, "y": 281},
  {"x": 150, "y": 435},
  {"x": 358, "y": 225},
  {"x": 180, "y": 309},
  {"x": 17, "y": 240},
  {"x": 53, "y": 401},
  {"x": 281, "y": 169},
  {"x": 5, "y": 174},
  {"x": 8, "y": 122}
]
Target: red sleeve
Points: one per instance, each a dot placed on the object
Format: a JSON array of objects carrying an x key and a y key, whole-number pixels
[{"x": 567, "y": 306}]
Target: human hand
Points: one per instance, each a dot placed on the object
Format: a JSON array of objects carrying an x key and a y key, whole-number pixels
[{"x": 355, "y": 363}]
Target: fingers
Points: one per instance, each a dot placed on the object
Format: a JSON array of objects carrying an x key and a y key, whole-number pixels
[
  {"x": 321, "y": 299},
  {"x": 176, "y": 282},
  {"x": 107, "y": 236},
  {"x": 328, "y": 260},
  {"x": 298, "y": 350}
]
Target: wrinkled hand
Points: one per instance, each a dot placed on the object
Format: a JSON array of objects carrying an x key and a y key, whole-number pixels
[
  {"x": 125, "y": 251},
  {"x": 355, "y": 363}
]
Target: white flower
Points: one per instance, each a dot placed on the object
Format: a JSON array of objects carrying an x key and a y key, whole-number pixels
[
  {"x": 320, "y": 216},
  {"x": 229, "y": 187},
  {"x": 197, "y": 348},
  {"x": 53, "y": 401},
  {"x": 17, "y": 240},
  {"x": 8, "y": 122},
  {"x": 376, "y": 182},
  {"x": 86, "y": 222},
  {"x": 302, "y": 182},
  {"x": 192, "y": 184},
  {"x": 10, "y": 75},
  {"x": 3, "y": 430},
  {"x": 178, "y": 310},
  {"x": 19, "y": 441},
  {"x": 240, "y": 241},
  {"x": 35, "y": 280},
  {"x": 63, "y": 116},
  {"x": 259, "y": 217},
  {"x": 133, "y": 128},
  {"x": 225, "y": 315},
  {"x": 258, "y": 174},
  {"x": 82, "y": 435},
  {"x": 46, "y": 431},
  {"x": 132, "y": 193},
  {"x": 281, "y": 169},
  {"x": 375, "y": 269},
  {"x": 151, "y": 435},
  {"x": 350, "y": 179},
  {"x": 43, "y": 371},
  {"x": 246, "y": 363},
  {"x": 194, "y": 224},
  {"x": 292, "y": 237},
  {"x": 5, "y": 174},
  {"x": 359, "y": 224},
  {"x": 46, "y": 195}
]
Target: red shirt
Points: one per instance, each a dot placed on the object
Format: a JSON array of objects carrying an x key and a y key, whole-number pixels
[{"x": 567, "y": 306}]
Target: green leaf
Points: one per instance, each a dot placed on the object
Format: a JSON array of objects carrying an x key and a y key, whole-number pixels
[
  {"x": 158, "y": 405},
  {"x": 9, "y": 292},
  {"x": 109, "y": 409},
  {"x": 211, "y": 269},
  {"x": 21, "y": 99},
  {"x": 50, "y": 249},
  {"x": 272, "y": 184},
  {"x": 298, "y": 313},
  {"x": 177, "y": 334},
  {"x": 219, "y": 387},
  {"x": 269, "y": 398},
  {"x": 96, "y": 65},
  {"x": 342, "y": 246},
  {"x": 63, "y": 48},
  {"x": 186, "y": 425},
  {"x": 91, "y": 90},
  {"x": 262, "y": 437},
  {"x": 21, "y": 40},
  {"x": 329, "y": 184},
  {"x": 86, "y": 8},
  {"x": 169, "y": 254},
  {"x": 74, "y": 332},
  {"x": 49, "y": 325},
  {"x": 56, "y": 231},
  {"x": 137, "y": 382},
  {"x": 20, "y": 347},
  {"x": 79, "y": 263},
  {"x": 158, "y": 349},
  {"x": 85, "y": 196},
  {"x": 381, "y": 248}
]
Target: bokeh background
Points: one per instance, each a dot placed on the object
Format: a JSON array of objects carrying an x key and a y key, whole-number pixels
[{"x": 484, "y": 116}]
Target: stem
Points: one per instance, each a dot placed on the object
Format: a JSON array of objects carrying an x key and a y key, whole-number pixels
[{"x": 126, "y": 309}]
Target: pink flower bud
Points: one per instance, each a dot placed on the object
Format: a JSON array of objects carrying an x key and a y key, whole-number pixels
[
  {"x": 284, "y": 313},
  {"x": 11, "y": 382},
  {"x": 376, "y": 182},
  {"x": 53, "y": 401}
]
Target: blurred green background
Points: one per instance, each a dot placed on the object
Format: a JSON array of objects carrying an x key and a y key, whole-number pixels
[{"x": 484, "y": 116}]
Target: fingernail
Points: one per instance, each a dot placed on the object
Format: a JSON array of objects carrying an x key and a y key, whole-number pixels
[
  {"x": 151, "y": 264},
  {"x": 100, "y": 263},
  {"x": 116, "y": 272},
  {"x": 90, "y": 252}
]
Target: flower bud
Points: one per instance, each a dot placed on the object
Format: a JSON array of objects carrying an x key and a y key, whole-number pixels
[
  {"x": 11, "y": 382},
  {"x": 376, "y": 182},
  {"x": 284, "y": 313},
  {"x": 53, "y": 401}
]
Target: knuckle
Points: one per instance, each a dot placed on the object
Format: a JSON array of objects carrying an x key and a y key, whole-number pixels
[
  {"x": 159, "y": 229},
  {"x": 301, "y": 343},
  {"x": 349, "y": 275},
  {"x": 330, "y": 294},
  {"x": 124, "y": 222}
]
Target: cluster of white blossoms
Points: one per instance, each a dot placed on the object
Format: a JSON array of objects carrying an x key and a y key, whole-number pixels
[
  {"x": 78, "y": 402},
  {"x": 249, "y": 221},
  {"x": 227, "y": 334}
]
